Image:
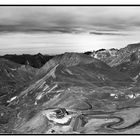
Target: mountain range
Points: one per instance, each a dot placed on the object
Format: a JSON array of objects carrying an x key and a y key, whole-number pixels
[
  {"x": 72, "y": 93},
  {"x": 37, "y": 60}
]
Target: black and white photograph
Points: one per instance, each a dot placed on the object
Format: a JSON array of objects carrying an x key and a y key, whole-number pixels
[{"x": 69, "y": 69}]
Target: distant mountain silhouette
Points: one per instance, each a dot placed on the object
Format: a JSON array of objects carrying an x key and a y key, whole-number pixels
[{"x": 36, "y": 61}]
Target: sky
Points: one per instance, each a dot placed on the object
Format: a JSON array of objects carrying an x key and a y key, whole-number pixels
[{"x": 57, "y": 29}]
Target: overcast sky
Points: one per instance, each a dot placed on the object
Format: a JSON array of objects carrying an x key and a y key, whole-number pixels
[
  {"x": 105, "y": 18},
  {"x": 119, "y": 21}
]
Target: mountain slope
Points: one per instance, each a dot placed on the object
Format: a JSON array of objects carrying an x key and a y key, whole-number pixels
[{"x": 13, "y": 78}]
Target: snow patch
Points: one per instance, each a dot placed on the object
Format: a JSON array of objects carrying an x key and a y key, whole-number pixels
[
  {"x": 112, "y": 94},
  {"x": 12, "y": 69},
  {"x": 39, "y": 96},
  {"x": 13, "y": 98},
  {"x": 69, "y": 72},
  {"x": 55, "y": 86},
  {"x": 46, "y": 87},
  {"x": 131, "y": 96}
]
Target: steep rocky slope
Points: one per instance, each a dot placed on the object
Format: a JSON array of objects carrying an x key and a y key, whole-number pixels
[
  {"x": 114, "y": 57},
  {"x": 128, "y": 61},
  {"x": 126, "y": 54}
]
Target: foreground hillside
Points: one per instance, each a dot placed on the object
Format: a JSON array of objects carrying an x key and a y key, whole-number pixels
[{"x": 74, "y": 94}]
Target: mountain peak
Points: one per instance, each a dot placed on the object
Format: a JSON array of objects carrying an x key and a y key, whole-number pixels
[
  {"x": 66, "y": 60},
  {"x": 39, "y": 54},
  {"x": 71, "y": 59}
]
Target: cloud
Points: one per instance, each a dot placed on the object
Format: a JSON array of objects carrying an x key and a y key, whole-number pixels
[
  {"x": 68, "y": 18},
  {"x": 107, "y": 33}
]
